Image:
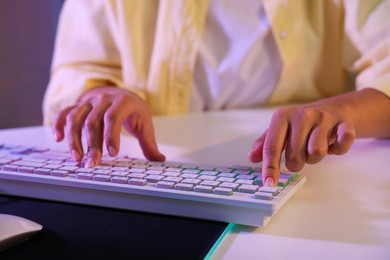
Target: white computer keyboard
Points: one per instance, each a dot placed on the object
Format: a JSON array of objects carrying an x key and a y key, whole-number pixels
[{"x": 231, "y": 194}]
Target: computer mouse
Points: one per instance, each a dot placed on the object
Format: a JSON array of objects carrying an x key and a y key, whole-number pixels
[{"x": 15, "y": 230}]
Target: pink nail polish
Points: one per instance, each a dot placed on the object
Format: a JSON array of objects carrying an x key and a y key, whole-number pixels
[
  {"x": 270, "y": 182},
  {"x": 90, "y": 163},
  {"x": 112, "y": 151}
]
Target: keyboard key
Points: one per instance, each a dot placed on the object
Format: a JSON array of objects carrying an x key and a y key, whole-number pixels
[
  {"x": 207, "y": 177},
  {"x": 102, "y": 178},
  {"x": 189, "y": 175},
  {"x": 137, "y": 175},
  {"x": 52, "y": 166},
  {"x": 42, "y": 171},
  {"x": 192, "y": 181},
  {"x": 223, "y": 191},
  {"x": 69, "y": 168},
  {"x": 264, "y": 196},
  {"x": 100, "y": 171},
  {"x": 171, "y": 174},
  {"x": 84, "y": 170},
  {"x": 84, "y": 176},
  {"x": 273, "y": 190},
  {"x": 138, "y": 182},
  {"x": 227, "y": 174},
  {"x": 26, "y": 169},
  {"x": 282, "y": 182},
  {"x": 184, "y": 186},
  {"x": 246, "y": 177},
  {"x": 244, "y": 181},
  {"x": 191, "y": 171},
  {"x": 116, "y": 173},
  {"x": 135, "y": 170},
  {"x": 173, "y": 179},
  {"x": 12, "y": 168},
  {"x": 157, "y": 172},
  {"x": 59, "y": 173},
  {"x": 210, "y": 183},
  {"x": 229, "y": 185},
  {"x": 165, "y": 185},
  {"x": 28, "y": 164},
  {"x": 248, "y": 188},
  {"x": 117, "y": 179},
  {"x": 225, "y": 179},
  {"x": 204, "y": 189},
  {"x": 154, "y": 178},
  {"x": 212, "y": 173}
]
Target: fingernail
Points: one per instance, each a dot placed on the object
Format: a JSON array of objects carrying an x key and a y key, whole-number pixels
[
  {"x": 270, "y": 182},
  {"x": 90, "y": 163},
  {"x": 76, "y": 155},
  {"x": 162, "y": 157},
  {"x": 112, "y": 151}
]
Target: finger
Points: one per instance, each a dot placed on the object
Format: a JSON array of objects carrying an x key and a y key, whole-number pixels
[
  {"x": 94, "y": 125},
  {"x": 113, "y": 121},
  {"x": 144, "y": 131},
  {"x": 318, "y": 143},
  {"x": 60, "y": 122},
  {"x": 273, "y": 146},
  {"x": 346, "y": 135},
  {"x": 255, "y": 155},
  {"x": 296, "y": 144},
  {"x": 73, "y": 129}
]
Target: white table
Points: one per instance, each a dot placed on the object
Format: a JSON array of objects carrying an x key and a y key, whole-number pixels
[{"x": 342, "y": 212}]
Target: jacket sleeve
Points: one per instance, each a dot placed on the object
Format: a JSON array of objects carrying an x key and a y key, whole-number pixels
[
  {"x": 86, "y": 54},
  {"x": 367, "y": 43}
]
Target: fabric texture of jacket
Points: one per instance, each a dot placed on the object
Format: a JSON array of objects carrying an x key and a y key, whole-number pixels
[{"x": 149, "y": 47}]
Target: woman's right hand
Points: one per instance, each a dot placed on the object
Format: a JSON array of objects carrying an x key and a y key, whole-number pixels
[{"x": 101, "y": 113}]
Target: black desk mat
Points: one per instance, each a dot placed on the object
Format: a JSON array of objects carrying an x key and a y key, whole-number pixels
[{"x": 73, "y": 231}]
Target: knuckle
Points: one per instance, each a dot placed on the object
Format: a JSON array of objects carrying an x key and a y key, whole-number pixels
[
  {"x": 269, "y": 170},
  {"x": 122, "y": 100},
  {"x": 111, "y": 116},
  {"x": 91, "y": 124},
  {"x": 307, "y": 114},
  {"x": 282, "y": 112},
  {"x": 71, "y": 122},
  {"x": 102, "y": 98},
  {"x": 270, "y": 148}
]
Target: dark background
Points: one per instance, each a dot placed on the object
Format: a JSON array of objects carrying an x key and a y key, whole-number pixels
[{"x": 27, "y": 33}]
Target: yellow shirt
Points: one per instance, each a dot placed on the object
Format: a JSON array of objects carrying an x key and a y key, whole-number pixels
[{"x": 149, "y": 47}]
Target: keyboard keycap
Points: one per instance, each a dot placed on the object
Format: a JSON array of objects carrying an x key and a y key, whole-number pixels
[{"x": 223, "y": 191}]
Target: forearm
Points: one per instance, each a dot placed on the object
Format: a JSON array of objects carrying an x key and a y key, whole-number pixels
[{"x": 367, "y": 110}]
